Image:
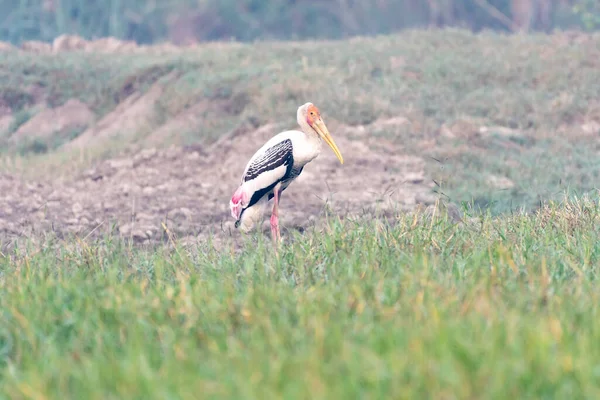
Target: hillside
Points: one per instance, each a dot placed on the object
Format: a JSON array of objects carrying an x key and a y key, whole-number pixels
[{"x": 109, "y": 137}]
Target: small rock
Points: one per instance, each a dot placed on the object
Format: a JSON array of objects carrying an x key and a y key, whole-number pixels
[
  {"x": 186, "y": 211},
  {"x": 193, "y": 156},
  {"x": 35, "y": 46},
  {"x": 141, "y": 216},
  {"x": 140, "y": 234},
  {"x": 77, "y": 208},
  {"x": 395, "y": 121},
  {"x": 124, "y": 163},
  {"x": 415, "y": 177},
  {"x": 149, "y": 191},
  {"x": 145, "y": 154},
  {"x": 500, "y": 130},
  {"x": 500, "y": 182},
  {"x": 591, "y": 128},
  {"x": 447, "y": 132},
  {"x": 125, "y": 229},
  {"x": 68, "y": 43},
  {"x": 465, "y": 128},
  {"x": 95, "y": 176},
  {"x": 53, "y": 204},
  {"x": 111, "y": 45},
  {"x": 6, "y": 210}
]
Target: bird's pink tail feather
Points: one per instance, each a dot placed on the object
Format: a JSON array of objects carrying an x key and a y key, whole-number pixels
[{"x": 237, "y": 202}]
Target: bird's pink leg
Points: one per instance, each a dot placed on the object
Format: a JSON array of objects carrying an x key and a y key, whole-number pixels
[{"x": 275, "y": 215}]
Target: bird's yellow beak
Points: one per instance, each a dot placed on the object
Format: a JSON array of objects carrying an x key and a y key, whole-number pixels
[{"x": 324, "y": 133}]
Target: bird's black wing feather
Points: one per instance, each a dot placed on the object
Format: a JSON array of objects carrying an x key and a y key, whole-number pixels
[
  {"x": 275, "y": 156},
  {"x": 280, "y": 154}
]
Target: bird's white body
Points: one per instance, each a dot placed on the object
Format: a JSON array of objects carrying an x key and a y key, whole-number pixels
[
  {"x": 305, "y": 147},
  {"x": 274, "y": 166}
]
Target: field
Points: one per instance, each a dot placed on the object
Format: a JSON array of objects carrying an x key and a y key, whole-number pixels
[{"x": 453, "y": 255}]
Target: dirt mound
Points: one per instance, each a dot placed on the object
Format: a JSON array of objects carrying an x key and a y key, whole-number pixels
[
  {"x": 6, "y": 46},
  {"x": 188, "y": 189},
  {"x": 6, "y": 122},
  {"x": 105, "y": 45},
  {"x": 137, "y": 113},
  {"x": 63, "y": 120},
  {"x": 66, "y": 43},
  {"x": 35, "y": 46}
]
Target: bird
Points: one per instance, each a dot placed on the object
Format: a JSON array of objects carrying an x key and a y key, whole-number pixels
[{"x": 275, "y": 166}]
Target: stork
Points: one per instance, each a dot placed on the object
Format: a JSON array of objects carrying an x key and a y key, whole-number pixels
[{"x": 275, "y": 165}]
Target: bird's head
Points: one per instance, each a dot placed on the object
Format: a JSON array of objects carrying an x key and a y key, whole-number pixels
[{"x": 308, "y": 114}]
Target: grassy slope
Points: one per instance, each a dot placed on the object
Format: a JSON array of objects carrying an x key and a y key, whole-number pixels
[
  {"x": 421, "y": 308},
  {"x": 545, "y": 87}
]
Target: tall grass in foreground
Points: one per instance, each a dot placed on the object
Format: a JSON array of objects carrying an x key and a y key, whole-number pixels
[{"x": 418, "y": 308}]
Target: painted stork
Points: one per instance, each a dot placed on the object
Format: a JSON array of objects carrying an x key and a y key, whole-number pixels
[{"x": 275, "y": 165}]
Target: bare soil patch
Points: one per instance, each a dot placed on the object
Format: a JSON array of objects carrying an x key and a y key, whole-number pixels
[
  {"x": 71, "y": 116},
  {"x": 134, "y": 114},
  {"x": 188, "y": 189},
  {"x": 5, "y": 123}
]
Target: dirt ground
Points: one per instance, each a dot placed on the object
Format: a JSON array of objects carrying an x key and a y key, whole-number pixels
[{"x": 188, "y": 189}]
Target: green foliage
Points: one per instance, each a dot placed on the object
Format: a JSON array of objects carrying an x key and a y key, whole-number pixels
[
  {"x": 589, "y": 13},
  {"x": 140, "y": 20},
  {"x": 405, "y": 309},
  {"x": 153, "y": 21},
  {"x": 27, "y": 146},
  {"x": 35, "y": 146},
  {"x": 14, "y": 97},
  {"x": 20, "y": 117}
]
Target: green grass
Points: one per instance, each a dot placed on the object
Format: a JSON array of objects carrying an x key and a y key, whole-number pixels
[
  {"x": 409, "y": 308},
  {"x": 540, "y": 172},
  {"x": 507, "y": 80}
]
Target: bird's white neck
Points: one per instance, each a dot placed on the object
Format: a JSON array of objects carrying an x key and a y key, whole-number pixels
[
  {"x": 313, "y": 139},
  {"x": 312, "y": 136}
]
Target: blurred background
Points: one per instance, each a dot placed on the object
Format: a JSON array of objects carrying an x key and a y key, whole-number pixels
[{"x": 191, "y": 21}]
